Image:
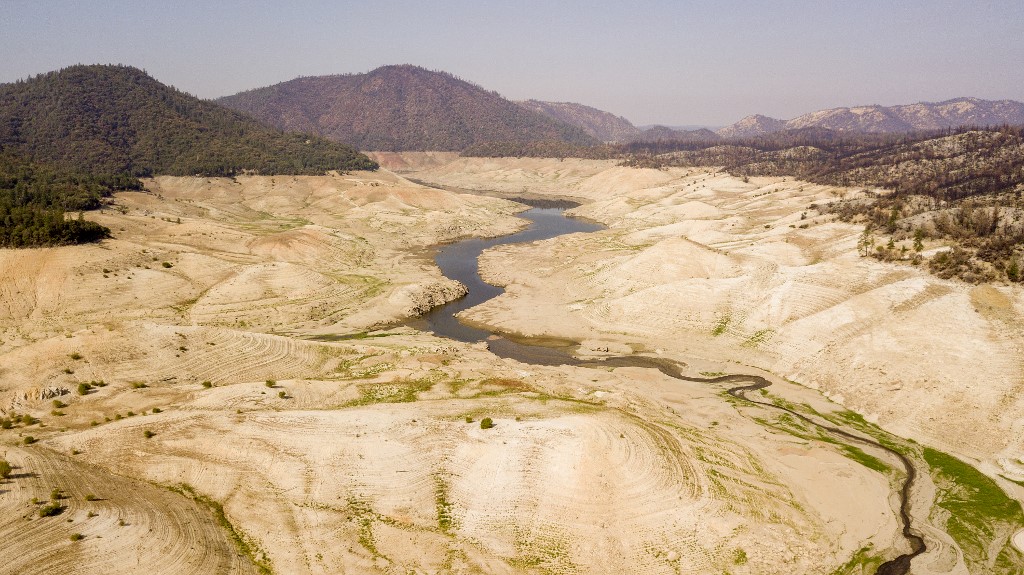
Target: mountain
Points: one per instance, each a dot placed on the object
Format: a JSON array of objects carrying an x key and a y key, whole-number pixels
[
  {"x": 751, "y": 126},
  {"x": 889, "y": 119},
  {"x": 107, "y": 120},
  {"x": 604, "y": 126},
  {"x": 69, "y": 138},
  {"x": 666, "y": 134},
  {"x": 397, "y": 108}
]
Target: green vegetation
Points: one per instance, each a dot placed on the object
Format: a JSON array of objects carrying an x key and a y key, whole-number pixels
[
  {"x": 981, "y": 517},
  {"x": 5, "y": 469},
  {"x": 76, "y": 537},
  {"x": 29, "y": 440},
  {"x": 148, "y": 434},
  {"x": 84, "y": 388},
  {"x": 399, "y": 391},
  {"x": 72, "y": 137},
  {"x": 51, "y": 509},
  {"x": 721, "y": 325},
  {"x": 759, "y": 337},
  {"x": 76, "y": 356},
  {"x": 862, "y": 563},
  {"x": 207, "y": 384},
  {"x": 871, "y": 462},
  {"x": 739, "y": 557},
  {"x": 486, "y": 423},
  {"x": 33, "y": 201},
  {"x": 246, "y": 545},
  {"x": 445, "y": 519}
]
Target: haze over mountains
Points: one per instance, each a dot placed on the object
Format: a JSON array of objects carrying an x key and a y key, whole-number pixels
[
  {"x": 405, "y": 107},
  {"x": 868, "y": 119},
  {"x": 891, "y": 119}
]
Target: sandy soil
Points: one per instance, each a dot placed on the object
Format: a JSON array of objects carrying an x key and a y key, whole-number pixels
[
  {"x": 358, "y": 456},
  {"x": 700, "y": 263}
]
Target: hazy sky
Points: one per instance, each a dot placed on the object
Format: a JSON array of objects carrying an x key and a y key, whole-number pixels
[{"x": 670, "y": 62}]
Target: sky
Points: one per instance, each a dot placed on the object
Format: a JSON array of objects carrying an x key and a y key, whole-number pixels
[{"x": 655, "y": 61}]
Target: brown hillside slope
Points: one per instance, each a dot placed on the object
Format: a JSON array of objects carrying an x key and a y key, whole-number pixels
[{"x": 397, "y": 108}]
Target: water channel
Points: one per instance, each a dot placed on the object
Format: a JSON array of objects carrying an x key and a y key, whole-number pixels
[{"x": 460, "y": 261}]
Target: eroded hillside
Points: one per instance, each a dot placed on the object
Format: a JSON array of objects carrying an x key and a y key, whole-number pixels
[{"x": 188, "y": 377}]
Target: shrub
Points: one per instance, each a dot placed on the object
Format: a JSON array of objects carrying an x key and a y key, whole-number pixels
[
  {"x": 58, "y": 404},
  {"x": 167, "y": 264},
  {"x": 29, "y": 440},
  {"x": 90, "y": 497},
  {"x": 147, "y": 434},
  {"x": 282, "y": 394},
  {"x": 5, "y": 469},
  {"x": 469, "y": 419},
  {"x": 6, "y": 423},
  {"x": 138, "y": 385},
  {"x": 84, "y": 388},
  {"x": 157, "y": 410},
  {"x": 271, "y": 383},
  {"x": 75, "y": 356},
  {"x": 207, "y": 384},
  {"x": 77, "y": 537},
  {"x": 486, "y": 423},
  {"x": 51, "y": 509},
  {"x": 28, "y": 419}
]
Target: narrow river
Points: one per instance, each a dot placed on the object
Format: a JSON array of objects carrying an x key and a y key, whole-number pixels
[{"x": 460, "y": 261}]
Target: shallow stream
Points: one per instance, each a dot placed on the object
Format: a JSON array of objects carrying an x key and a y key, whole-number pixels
[{"x": 460, "y": 261}]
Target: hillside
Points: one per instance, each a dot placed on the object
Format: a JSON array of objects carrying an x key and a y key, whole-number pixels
[
  {"x": 667, "y": 134},
  {"x": 751, "y": 126},
  {"x": 890, "y": 119},
  {"x": 602, "y": 125},
  {"x": 71, "y": 137},
  {"x": 119, "y": 120},
  {"x": 398, "y": 108},
  {"x": 962, "y": 188}
]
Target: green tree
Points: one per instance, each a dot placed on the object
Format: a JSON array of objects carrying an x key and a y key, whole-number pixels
[{"x": 918, "y": 240}]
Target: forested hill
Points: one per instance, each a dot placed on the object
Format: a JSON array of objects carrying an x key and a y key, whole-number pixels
[
  {"x": 107, "y": 120},
  {"x": 70, "y": 137},
  {"x": 398, "y": 108}
]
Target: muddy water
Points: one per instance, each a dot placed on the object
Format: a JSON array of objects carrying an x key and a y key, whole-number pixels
[{"x": 459, "y": 261}]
